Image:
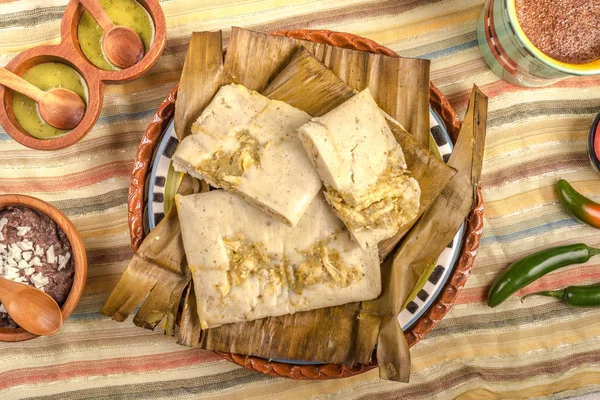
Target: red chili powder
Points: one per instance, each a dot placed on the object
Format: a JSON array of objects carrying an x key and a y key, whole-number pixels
[{"x": 566, "y": 30}]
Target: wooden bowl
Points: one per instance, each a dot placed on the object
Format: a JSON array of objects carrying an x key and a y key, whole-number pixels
[
  {"x": 79, "y": 257},
  {"x": 432, "y": 316},
  {"x": 69, "y": 53}
]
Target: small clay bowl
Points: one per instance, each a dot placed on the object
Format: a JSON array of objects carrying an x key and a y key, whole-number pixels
[
  {"x": 78, "y": 251},
  {"x": 69, "y": 52},
  {"x": 593, "y": 144}
]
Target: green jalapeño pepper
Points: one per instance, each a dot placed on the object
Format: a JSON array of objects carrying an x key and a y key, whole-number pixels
[
  {"x": 576, "y": 204},
  {"x": 575, "y": 296},
  {"x": 528, "y": 269}
]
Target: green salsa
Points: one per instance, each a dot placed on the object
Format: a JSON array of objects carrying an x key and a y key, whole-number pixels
[
  {"x": 127, "y": 13},
  {"x": 46, "y": 76}
]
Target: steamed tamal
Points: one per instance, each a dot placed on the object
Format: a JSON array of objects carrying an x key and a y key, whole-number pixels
[
  {"x": 363, "y": 168},
  {"x": 247, "y": 265},
  {"x": 247, "y": 144}
]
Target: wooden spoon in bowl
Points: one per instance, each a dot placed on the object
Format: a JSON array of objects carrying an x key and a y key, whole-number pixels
[
  {"x": 32, "y": 309},
  {"x": 122, "y": 46},
  {"x": 61, "y": 108}
]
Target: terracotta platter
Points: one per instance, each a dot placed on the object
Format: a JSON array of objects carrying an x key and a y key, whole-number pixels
[{"x": 147, "y": 193}]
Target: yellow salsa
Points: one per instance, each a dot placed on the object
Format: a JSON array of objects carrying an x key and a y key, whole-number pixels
[
  {"x": 46, "y": 76},
  {"x": 127, "y": 13}
]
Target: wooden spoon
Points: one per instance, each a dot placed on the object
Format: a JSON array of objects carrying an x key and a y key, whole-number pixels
[
  {"x": 122, "y": 46},
  {"x": 32, "y": 309},
  {"x": 61, "y": 108}
]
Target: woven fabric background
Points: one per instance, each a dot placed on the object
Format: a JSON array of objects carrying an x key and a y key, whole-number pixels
[{"x": 539, "y": 348}]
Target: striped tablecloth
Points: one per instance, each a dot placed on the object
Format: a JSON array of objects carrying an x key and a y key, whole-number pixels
[{"x": 539, "y": 348}]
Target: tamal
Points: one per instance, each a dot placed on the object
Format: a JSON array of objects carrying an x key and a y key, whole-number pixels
[
  {"x": 248, "y": 265},
  {"x": 363, "y": 168},
  {"x": 247, "y": 144}
]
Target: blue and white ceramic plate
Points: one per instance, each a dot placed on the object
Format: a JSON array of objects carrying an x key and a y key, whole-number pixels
[{"x": 164, "y": 181}]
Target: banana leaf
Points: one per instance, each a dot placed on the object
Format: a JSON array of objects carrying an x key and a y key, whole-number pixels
[{"x": 158, "y": 272}]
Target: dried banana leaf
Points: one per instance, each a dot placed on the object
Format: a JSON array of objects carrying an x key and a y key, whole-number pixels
[
  {"x": 307, "y": 84},
  {"x": 429, "y": 236},
  {"x": 189, "y": 325},
  {"x": 432, "y": 174},
  {"x": 157, "y": 271},
  {"x": 299, "y": 336},
  {"x": 200, "y": 79},
  {"x": 327, "y": 90},
  {"x": 399, "y": 85}
]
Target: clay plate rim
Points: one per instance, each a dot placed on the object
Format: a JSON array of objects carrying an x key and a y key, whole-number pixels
[
  {"x": 424, "y": 324},
  {"x": 79, "y": 256}
]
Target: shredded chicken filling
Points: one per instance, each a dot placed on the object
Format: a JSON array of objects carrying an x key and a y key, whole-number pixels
[
  {"x": 247, "y": 258},
  {"x": 323, "y": 265},
  {"x": 228, "y": 167},
  {"x": 320, "y": 265},
  {"x": 392, "y": 201}
]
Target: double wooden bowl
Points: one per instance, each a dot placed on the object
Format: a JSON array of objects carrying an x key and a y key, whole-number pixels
[
  {"x": 426, "y": 322},
  {"x": 69, "y": 52}
]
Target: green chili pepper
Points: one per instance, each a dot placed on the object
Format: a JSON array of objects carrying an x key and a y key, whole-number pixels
[
  {"x": 528, "y": 269},
  {"x": 577, "y": 205},
  {"x": 575, "y": 296}
]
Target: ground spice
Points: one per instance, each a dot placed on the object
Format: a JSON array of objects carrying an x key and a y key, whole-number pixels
[{"x": 566, "y": 30}]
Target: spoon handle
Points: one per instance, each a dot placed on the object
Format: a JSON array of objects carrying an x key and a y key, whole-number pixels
[
  {"x": 98, "y": 13},
  {"x": 20, "y": 85}
]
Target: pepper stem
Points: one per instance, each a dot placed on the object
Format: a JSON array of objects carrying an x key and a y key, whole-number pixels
[
  {"x": 594, "y": 252},
  {"x": 559, "y": 294}
]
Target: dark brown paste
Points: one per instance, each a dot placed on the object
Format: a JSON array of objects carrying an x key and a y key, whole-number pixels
[{"x": 44, "y": 233}]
